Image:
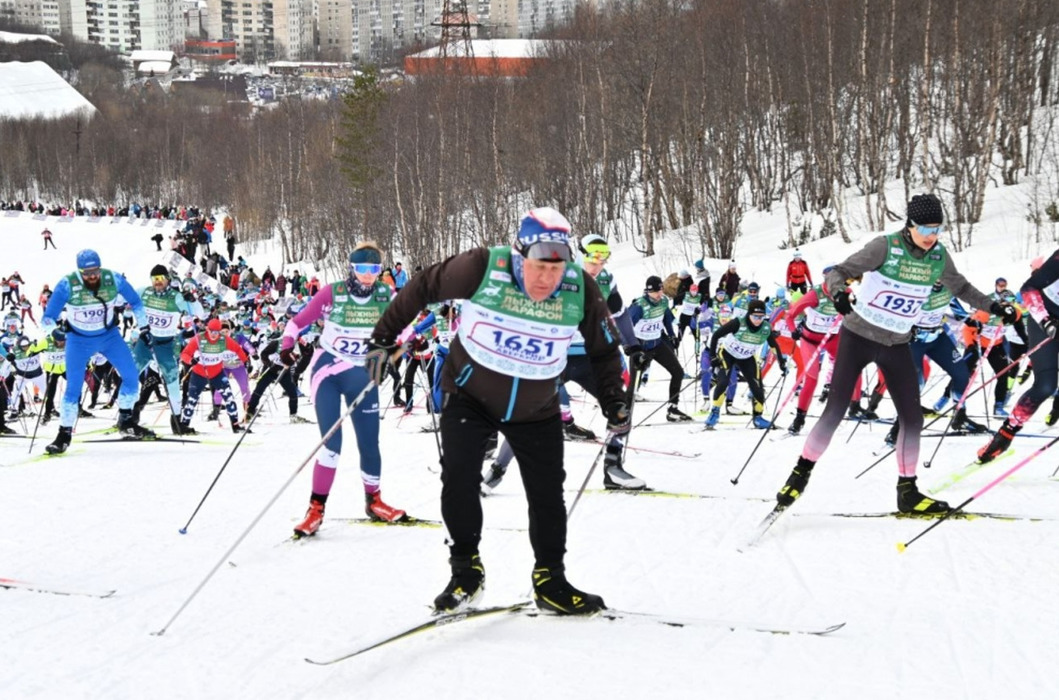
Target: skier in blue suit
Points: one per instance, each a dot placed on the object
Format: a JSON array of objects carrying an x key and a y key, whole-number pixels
[{"x": 89, "y": 295}]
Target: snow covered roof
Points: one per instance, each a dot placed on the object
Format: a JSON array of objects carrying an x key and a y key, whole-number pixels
[
  {"x": 30, "y": 90},
  {"x": 494, "y": 48},
  {"x": 155, "y": 67},
  {"x": 13, "y": 38},
  {"x": 145, "y": 55}
]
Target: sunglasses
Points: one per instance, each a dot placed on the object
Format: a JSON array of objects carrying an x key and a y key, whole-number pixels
[
  {"x": 928, "y": 230},
  {"x": 90, "y": 272},
  {"x": 759, "y": 317},
  {"x": 597, "y": 258},
  {"x": 159, "y": 278},
  {"x": 367, "y": 268}
]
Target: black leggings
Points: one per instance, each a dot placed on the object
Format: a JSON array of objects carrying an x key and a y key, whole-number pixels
[
  {"x": 274, "y": 372},
  {"x": 410, "y": 375},
  {"x": 856, "y": 352},
  {"x": 663, "y": 354}
]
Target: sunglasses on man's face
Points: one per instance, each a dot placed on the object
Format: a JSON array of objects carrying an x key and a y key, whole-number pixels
[{"x": 90, "y": 272}]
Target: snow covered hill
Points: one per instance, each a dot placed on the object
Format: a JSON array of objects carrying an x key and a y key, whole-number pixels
[{"x": 969, "y": 611}]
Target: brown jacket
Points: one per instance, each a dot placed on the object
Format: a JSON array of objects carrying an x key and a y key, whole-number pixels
[{"x": 458, "y": 278}]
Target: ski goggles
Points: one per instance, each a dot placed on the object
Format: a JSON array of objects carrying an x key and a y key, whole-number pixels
[
  {"x": 366, "y": 268},
  {"x": 598, "y": 257},
  {"x": 91, "y": 272},
  {"x": 549, "y": 251},
  {"x": 160, "y": 278},
  {"x": 928, "y": 230}
]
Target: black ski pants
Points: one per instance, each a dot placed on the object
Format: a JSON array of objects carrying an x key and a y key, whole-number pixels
[
  {"x": 538, "y": 447},
  {"x": 265, "y": 381},
  {"x": 663, "y": 354}
]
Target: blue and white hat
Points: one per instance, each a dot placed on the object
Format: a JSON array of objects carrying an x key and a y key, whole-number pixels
[{"x": 544, "y": 234}]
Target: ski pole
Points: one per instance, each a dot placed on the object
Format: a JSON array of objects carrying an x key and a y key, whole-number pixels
[
  {"x": 591, "y": 470},
  {"x": 946, "y": 412},
  {"x": 184, "y": 530},
  {"x": 323, "y": 439},
  {"x": 331, "y": 431},
  {"x": 767, "y": 397},
  {"x": 630, "y": 402},
  {"x": 819, "y": 363},
  {"x": 902, "y": 546},
  {"x": 433, "y": 418},
  {"x": 665, "y": 403},
  {"x": 959, "y": 404},
  {"x": 35, "y": 427},
  {"x": 764, "y": 433}
]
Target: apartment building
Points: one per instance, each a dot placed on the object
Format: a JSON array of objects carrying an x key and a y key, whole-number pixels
[{"x": 263, "y": 30}]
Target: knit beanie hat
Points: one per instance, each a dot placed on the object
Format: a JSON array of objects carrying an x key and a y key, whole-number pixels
[{"x": 925, "y": 209}]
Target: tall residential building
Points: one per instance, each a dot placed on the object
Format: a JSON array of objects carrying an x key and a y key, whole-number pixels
[
  {"x": 534, "y": 16},
  {"x": 42, "y": 14},
  {"x": 129, "y": 25},
  {"x": 382, "y": 29},
  {"x": 263, "y": 30},
  {"x": 334, "y": 20}
]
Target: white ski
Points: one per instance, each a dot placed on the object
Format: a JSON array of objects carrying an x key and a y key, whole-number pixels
[{"x": 55, "y": 590}]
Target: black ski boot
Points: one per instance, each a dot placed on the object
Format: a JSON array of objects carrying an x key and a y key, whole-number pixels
[
  {"x": 493, "y": 478},
  {"x": 873, "y": 405},
  {"x": 856, "y": 411},
  {"x": 215, "y": 413},
  {"x": 62, "y": 441},
  {"x": 1000, "y": 442},
  {"x": 4, "y": 430},
  {"x": 573, "y": 431},
  {"x": 910, "y": 500},
  {"x": 179, "y": 427},
  {"x": 1053, "y": 415},
  {"x": 824, "y": 393},
  {"x": 615, "y": 478},
  {"x": 798, "y": 423},
  {"x": 891, "y": 437},
  {"x": 962, "y": 423},
  {"x": 796, "y": 482},
  {"x": 552, "y": 592},
  {"x": 130, "y": 429},
  {"x": 465, "y": 587},
  {"x": 675, "y": 415}
]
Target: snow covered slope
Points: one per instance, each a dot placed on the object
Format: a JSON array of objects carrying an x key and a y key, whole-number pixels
[{"x": 969, "y": 611}]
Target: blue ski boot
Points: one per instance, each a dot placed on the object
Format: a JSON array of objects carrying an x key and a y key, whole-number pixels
[
  {"x": 760, "y": 423},
  {"x": 715, "y": 415}
]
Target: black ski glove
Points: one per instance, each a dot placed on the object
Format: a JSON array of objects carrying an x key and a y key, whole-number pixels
[
  {"x": 637, "y": 359},
  {"x": 145, "y": 336},
  {"x": 843, "y": 302},
  {"x": 286, "y": 356},
  {"x": 377, "y": 361},
  {"x": 1050, "y": 326},
  {"x": 1005, "y": 311}
]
